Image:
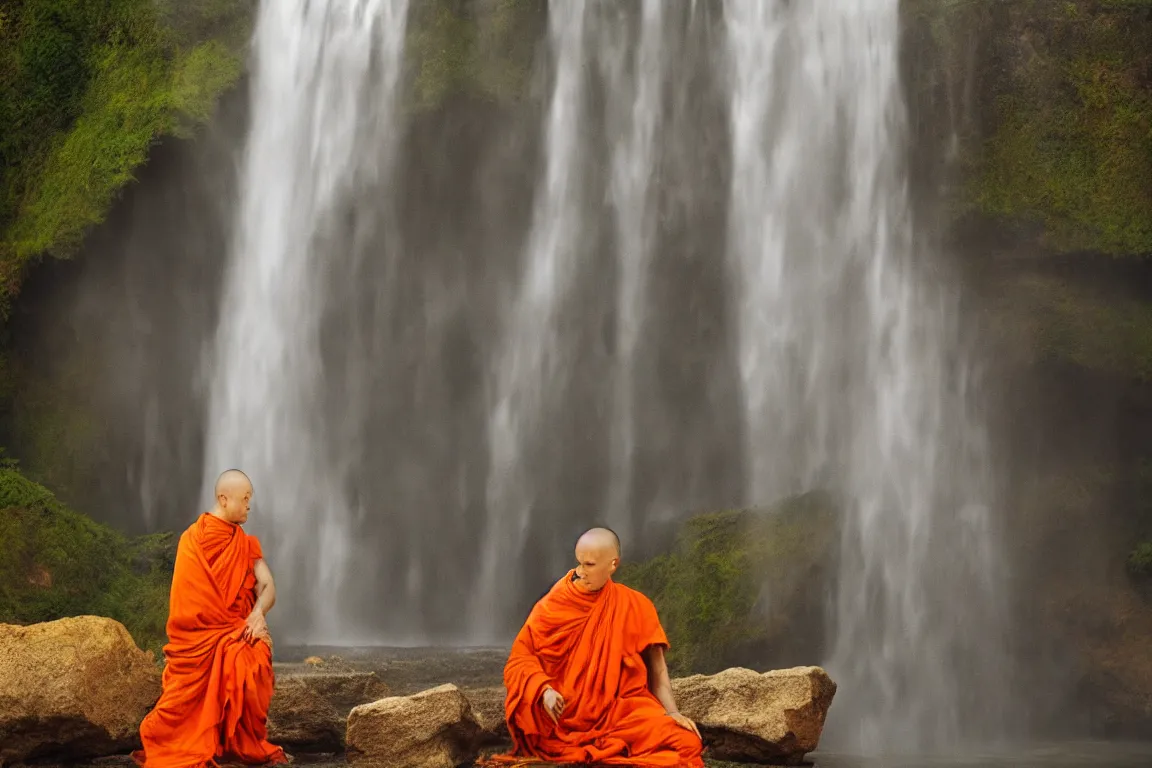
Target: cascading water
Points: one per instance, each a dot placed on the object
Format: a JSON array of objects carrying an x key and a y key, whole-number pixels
[
  {"x": 632, "y": 163},
  {"x": 712, "y": 298},
  {"x": 849, "y": 361},
  {"x": 531, "y": 361},
  {"x": 323, "y": 71}
]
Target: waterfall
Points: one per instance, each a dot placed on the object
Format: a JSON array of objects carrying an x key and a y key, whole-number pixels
[
  {"x": 636, "y": 113},
  {"x": 853, "y": 372},
  {"x": 531, "y": 361},
  {"x": 323, "y": 91},
  {"x": 692, "y": 280}
]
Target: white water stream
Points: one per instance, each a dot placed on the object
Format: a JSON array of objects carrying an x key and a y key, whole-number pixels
[{"x": 834, "y": 344}]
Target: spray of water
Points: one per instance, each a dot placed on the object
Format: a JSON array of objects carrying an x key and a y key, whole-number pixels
[
  {"x": 531, "y": 361},
  {"x": 324, "y": 83},
  {"x": 851, "y": 372},
  {"x": 636, "y": 114}
]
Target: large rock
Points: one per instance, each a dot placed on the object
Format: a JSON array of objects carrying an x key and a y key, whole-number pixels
[
  {"x": 309, "y": 711},
  {"x": 775, "y": 717},
  {"x": 488, "y": 708},
  {"x": 432, "y": 729},
  {"x": 72, "y": 688}
]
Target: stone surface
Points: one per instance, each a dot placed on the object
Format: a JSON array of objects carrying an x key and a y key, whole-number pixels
[
  {"x": 309, "y": 711},
  {"x": 431, "y": 729},
  {"x": 775, "y": 717},
  {"x": 488, "y": 708},
  {"x": 72, "y": 688}
]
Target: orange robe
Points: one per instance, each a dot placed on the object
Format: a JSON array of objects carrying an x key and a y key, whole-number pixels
[
  {"x": 588, "y": 647},
  {"x": 216, "y": 685}
]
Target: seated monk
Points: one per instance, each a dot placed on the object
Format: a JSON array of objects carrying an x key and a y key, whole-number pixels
[
  {"x": 586, "y": 677},
  {"x": 218, "y": 680}
]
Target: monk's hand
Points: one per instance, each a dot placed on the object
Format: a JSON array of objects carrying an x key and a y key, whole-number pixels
[
  {"x": 255, "y": 626},
  {"x": 553, "y": 704},
  {"x": 685, "y": 722}
]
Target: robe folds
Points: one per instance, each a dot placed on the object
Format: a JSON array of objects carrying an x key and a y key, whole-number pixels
[
  {"x": 216, "y": 685},
  {"x": 587, "y": 646}
]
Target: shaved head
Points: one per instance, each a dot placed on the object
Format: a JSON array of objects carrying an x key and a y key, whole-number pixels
[
  {"x": 233, "y": 496},
  {"x": 597, "y": 555},
  {"x": 600, "y": 538},
  {"x": 231, "y": 479}
]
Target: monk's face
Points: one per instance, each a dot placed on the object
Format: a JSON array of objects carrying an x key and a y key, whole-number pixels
[
  {"x": 595, "y": 564},
  {"x": 235, "y": 501}
]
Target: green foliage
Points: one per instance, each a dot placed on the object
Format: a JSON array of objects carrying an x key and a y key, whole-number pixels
[
  {"x": 481, "y": 50},
  {"x": 733, "y": 579},
  {"x": 1071, "y": 148},
  {"x": 1053, "y": 318},
  {"x": 56, "y": 563},
  {"x": 85, "y": 89},
  {"x": 1140, "y": 560}
]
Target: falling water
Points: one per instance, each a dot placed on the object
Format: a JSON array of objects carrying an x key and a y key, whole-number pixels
[
  {"x": 848, "y": 356},
  {"x": 637, "y": 104},
  {"x": 713, "y": 296},
  {"x": 323, "y": 92},
  {"x": 531, "y": 360}
]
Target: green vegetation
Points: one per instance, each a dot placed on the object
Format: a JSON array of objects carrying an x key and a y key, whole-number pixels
[
  {"x": 479, "y": 50},
  {"x": 1061, "y": 145},
  {"x": 1140, "y": 560},
  {"x": 735, "y": 582},
  {"x": 85, "y": 90},
  {"x": 56, "y": 563},
  {"x": 1046, "y": 317}
]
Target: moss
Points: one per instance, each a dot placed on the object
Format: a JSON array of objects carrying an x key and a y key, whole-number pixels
[
  {"x": 1046, "y": 317},
  {"x": 482, "y": 50},
  {"x": 1140, "y": 560},
  {"x": 56, "y": 563},
  {"x": 734, "y": 580},
  {"x": 87, "y": 88},
  {"x": 1070, "y": 152}
]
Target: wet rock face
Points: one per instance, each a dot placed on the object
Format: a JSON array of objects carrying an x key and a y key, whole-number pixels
[
  {"x": 775, "y": 717},
  {"x": 309, "y": 710},
  {"x": 432, "y": 729},
  {"x": 72, "y": 689}
]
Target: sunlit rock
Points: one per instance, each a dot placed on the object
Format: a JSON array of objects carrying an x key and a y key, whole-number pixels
[
  {"x": 775, "y": 717},
  {"x": 309, "y": 711},
  {"x": 488, "y": 708},
  {"x": 72, "y": 688},
  {"x": 432, "y": 729}
]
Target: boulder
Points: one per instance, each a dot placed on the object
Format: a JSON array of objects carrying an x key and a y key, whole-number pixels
[
  {"x": 309, "y": 711},
  {"x": 775, "y": 717},
  {"x": 431, "y": 729},
  {"x": 488, "y": 708},
  {"x": 73, "y": 688}
]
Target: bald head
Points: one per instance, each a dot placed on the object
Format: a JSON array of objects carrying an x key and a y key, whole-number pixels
[
  {"x": 597, "y": 556},
  {"x": 601, "y": 538},
  {"x": 231, "y": 479},
  {"x": 233, "y": 496}
]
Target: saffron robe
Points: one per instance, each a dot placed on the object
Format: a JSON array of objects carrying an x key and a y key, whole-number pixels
[
  {"x": 216, "y": 685},
  {"x": 587, "y": 646}
]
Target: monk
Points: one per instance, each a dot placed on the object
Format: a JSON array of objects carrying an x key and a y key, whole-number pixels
[
  {"x": 217, "y": 682},
  {"x": 586, "y": 678}
]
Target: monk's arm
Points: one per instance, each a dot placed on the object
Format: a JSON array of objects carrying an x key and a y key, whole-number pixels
[
  {"x": 658, "y": 681},
  {"x": 523, "y": 673},
  {"x": 265, "y": 587}
]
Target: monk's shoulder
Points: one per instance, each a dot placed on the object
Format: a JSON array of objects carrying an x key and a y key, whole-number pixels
[
  {"x": 188, "y": 536},
  {"x": 255, "y": 551},
  {"x": 637, "y": 600}
]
